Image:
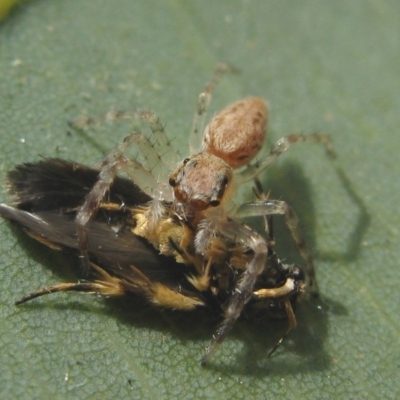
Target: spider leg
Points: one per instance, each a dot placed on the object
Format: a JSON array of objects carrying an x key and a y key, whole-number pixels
[
  {"x": 272, "y": 207},
  {"x": 268, "y": 226},
  {"x": 151, "y": 158},
  {"x": 111, "y": 164},
  {"x": 203, "y": 102},
  {"x": 243, "y": 290},
  {"x": 280, "y": 147},
  {"x": 158, "y": 149},
  {"x": 167, "y": 156}
]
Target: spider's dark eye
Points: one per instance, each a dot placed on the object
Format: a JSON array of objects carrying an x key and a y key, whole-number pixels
[
  {"x": 215, "y": 203},
  {"x": 172, "y": 182},
  {"x": 186, "y": 160}
]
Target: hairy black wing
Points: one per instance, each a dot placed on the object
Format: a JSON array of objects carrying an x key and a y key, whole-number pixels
[{"x": 55, "y": 184}]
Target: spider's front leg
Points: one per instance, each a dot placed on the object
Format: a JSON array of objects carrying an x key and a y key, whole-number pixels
[
  {"x": 158, "y": 153},
  {"x": 273, "y": 207},
  {"x": 243, "y": 290},
  {"x": 111, "y": 164}
]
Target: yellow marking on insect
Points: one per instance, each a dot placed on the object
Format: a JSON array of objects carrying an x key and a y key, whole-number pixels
[
  {"x": 166, "y": 297},
  {"x": 44, "y": 241}
]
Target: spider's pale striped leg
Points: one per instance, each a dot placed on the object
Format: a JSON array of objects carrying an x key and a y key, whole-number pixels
[
  {"x": 268, "y": 225},
  {"x": 283, "y": 144},
  {"x": 111, "y": 164},
  {"x": 243, "y": 290},
  {"x": 273, "y": 207},
  {"x": 203, "y": 102},
  {"x": 166, "y": 157},
  {"x": 158, "y": 153}
]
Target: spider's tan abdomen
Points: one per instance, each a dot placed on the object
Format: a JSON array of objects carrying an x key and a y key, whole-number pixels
[{"x": 237, "y": 133}]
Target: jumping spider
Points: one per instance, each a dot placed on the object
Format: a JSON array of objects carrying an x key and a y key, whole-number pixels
[{"x": 202, "y": 187}]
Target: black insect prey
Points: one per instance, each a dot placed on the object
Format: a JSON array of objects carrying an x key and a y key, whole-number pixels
[{"x": 45, "y": 198}]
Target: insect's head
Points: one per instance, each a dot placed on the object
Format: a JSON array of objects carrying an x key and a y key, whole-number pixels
[{"x": 202, "y": 181}]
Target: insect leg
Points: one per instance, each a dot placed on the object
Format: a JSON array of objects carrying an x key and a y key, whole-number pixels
[
  {"x": 105, "y": 288},
  {"x": 290, "y": 288}
]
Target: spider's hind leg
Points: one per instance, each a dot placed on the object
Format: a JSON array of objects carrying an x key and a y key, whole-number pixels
[
  {"x": 272, "y": 207},
  {"x": 282, "y": 145},
  {"x": 243, "y": 290}
]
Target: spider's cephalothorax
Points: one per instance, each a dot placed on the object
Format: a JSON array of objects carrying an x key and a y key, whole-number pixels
[{"x": 200, "y": 182}]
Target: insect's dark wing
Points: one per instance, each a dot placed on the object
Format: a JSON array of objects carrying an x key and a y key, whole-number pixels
[
  {"x": 54, "y": 184},
  {"x": 106, "y": 246},
  {"x": 46, "y": 195},
  {"x": 125, "y": 262}
]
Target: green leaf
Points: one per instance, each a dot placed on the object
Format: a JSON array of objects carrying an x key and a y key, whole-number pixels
[
  {"x": 6, "y": 6},
  {"x": 323, "y": 66}
]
